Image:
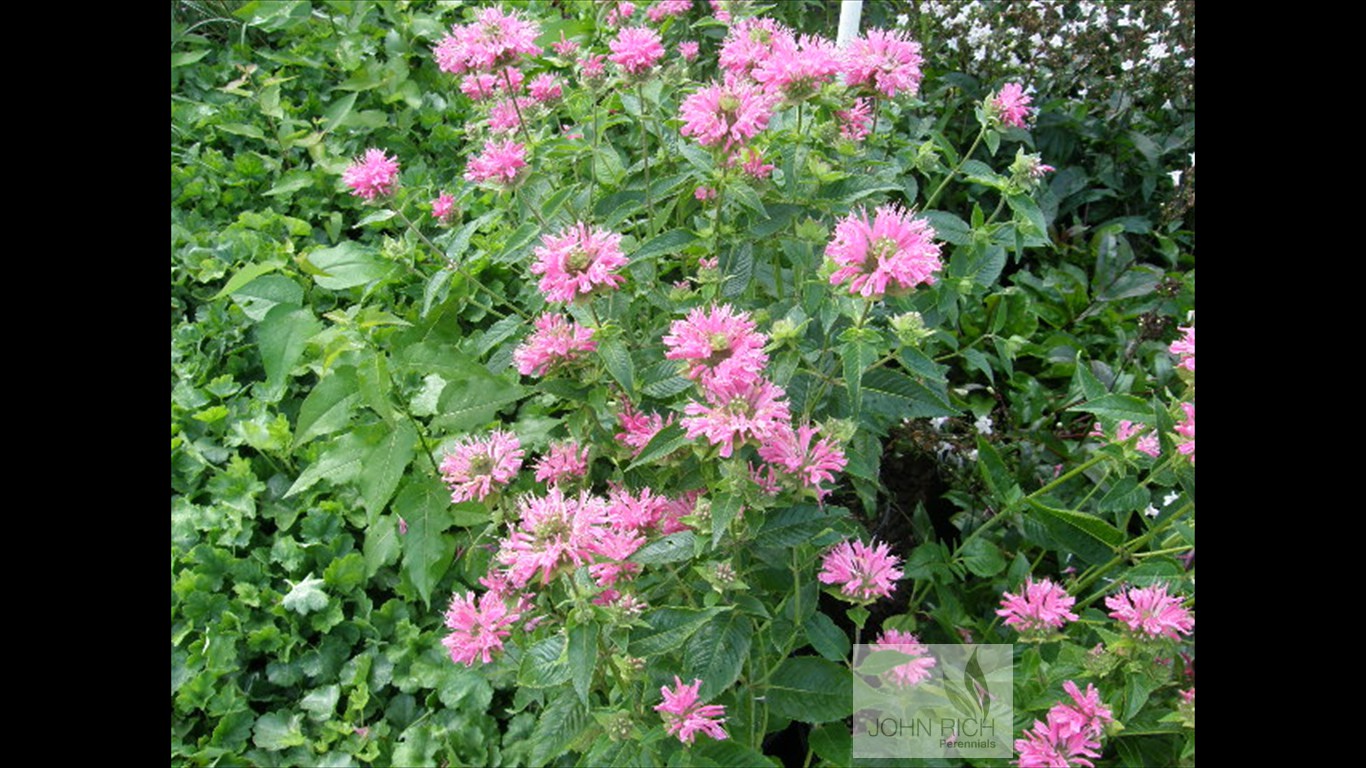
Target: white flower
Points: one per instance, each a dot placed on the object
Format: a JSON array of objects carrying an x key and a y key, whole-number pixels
[
  {"x": 1169, "y": 498},
  {"x": 902, "y": 19},
  {"x": 1150, "y": 511},
  {"x": 971, "y": 455},
  {"x": 983, "y": 424},
  {"x": 1176, "y": 178},
  {"x": 1126, "y": 65},
  {"x": 938, "y": 423}
]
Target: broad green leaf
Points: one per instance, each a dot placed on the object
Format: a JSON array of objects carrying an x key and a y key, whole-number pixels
[
  {"x": 723, "y": 510},
  {"x": 665, "y": 442},
  {"x": 716, "y": 653},
  {"x": 381, "y": 546},
  {"x": 878, "y": 662},
  {"x": 796, "y": 525},
  {"x": 668, "y": 628},
  {"x": 241, "y": 129},
  {"x": 1026, "y": 210},
  {"x": 826, "y": 637},
  {"x": 305, "y": 597},
  {"x": 558, "y": 726},
  {"x": 859, "y": 350},
  {"x": 188, "y": 57},
  {"x": 470, "y": 402},
  {"x": 668, "y": 243},
  {"x": 1118, "y": 407},
  {"x": 728, "y": 753},
  {"x": 265, "y": 293},
  {"x": 337, "y": 111},
  {"x": 983, "y": 557},
  {"x": 810, "y": 690},
  {"x": 281, "y": 337},
  {"x": 321, "y": 703},
  {"x": 328, "y": 407},
  {"x": 545, "y": 664},
  {"x": 833, "y": 743},
  {"x": 372, "y": 376},
  {"x": 673, "y": 548},
  {"x": 999, "y": 480},
  {"x": 427, "y": 551},
  {"x": 1126, "y": 496},
  {"x": 347, "y": 265},
  {"x": 275, "y": 731},
  {"x": 290, "y": 183},
  {"x": 617, "y": 358},
  {"x": 948, "y": 227},
  {"x": 583, "y": 657},
  {"x": 738, "y": 269},
  {"x": 384, "y": 467},
  {"x": 1089, "y": 536},
  {"x": 246, "y": 275},
  {"x": 338, "y": 463},
  {"x": 900, "y": 397}
]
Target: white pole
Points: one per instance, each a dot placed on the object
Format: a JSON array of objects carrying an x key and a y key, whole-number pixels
[{"x": 850, "y": 11}]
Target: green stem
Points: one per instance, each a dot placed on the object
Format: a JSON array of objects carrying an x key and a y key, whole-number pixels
[
  {"x": 935, "y": 195},
  {"x": 461, "y": 270},
  {"x": 516, "y": 108},
  {"x": 644, "y": 151},
  {"x": 1125, "y": 553}
]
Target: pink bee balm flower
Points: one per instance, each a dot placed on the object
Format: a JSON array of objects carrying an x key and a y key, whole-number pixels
[
  {"x": 614, "y": 545},
  {"x": 856, "y": 121},
  {"x": 545, "y": 87},
  {"x": 894, "y": 249},
  {"x": 1185, "y": 348},
  {"x": 1087, "y": 714},
  {"x": 636, "y": 50},
  {"x": 552, "y": 532},
  {"x": 883, "y": 62},
  {"x": 1147, "y": 443},
  {"x": 502, "y": 164},
  {"x": 485, "y": 85},
  {"x": 1151, "y": 613},
  {"x": 505, "y": 116},
  {"x": 797, "y": 67},
  {"x": 688, "y": 50},
  {"x": 372, "y": 175},
  {"x": 737, "y": 410},
  {"x": 1044, "y": 747},
  {"x": 725, "y": 115},
  {"x": 555, "y": 342},
  {"x": 1011, "y": 105},
  {"x": 565, "y": 461},
  {"x": 442, "y": 207},
  {"x": 793, "y": 451},
  {"x": 1187, "y": 429},
  {"x": 913, "y": 672},
  {"x": 748, "y": 43},
  {"x": 474, "y": 467},
  {"x": 591, "y": 66},
  {"x": 1040, "y": 607},
  {"x": 493, "y": 40},
  {"x": 754, "y": 164},
  {"x": 864, "y": 573},
  {"x": 704, "y": 193},
  {"x": 721, "y": 346},
  {"x": 634, "y": 511},
  {"x": 578, "y": 261},
  {"x": 619, "y": 13},
  {"x": 477, "y": 632},
  {"x": 564, "y": 47},
  {"x": 684, "y": 717},
  {"x": 666, "y": 8},
  {"x": 639, "y": 428}
]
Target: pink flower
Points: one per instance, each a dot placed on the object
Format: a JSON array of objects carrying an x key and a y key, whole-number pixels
[
  {"x": 1011, "y": 105},
  {"x": 856, "y": 121},
  {"x": 481, "y": 86},
  {"x": 577, "y": 261},
  {"x": 893, "y": 248},
  {"x": 501, "y": 164},
  {"x": 493, "y": 40},
  {"x": 748, "y": 43},
  {"x": 1147, "y": 443},
  {"x": 1150, "y": 613},
  {"x": 721, "y": 346},
  {"x": 883, "y": 62},
  {"x": 725, "y": 115},
  {"x": 619, "y": 13},
  {"x": 737, "y": 410},
  {"x": 704, "y": 193},
  {"x": 1044, "y": 747},
  {"x": 684, "y": 717},
  {"x": 1187, "y": 429},
  {"x": 913, "y": 672},
  {"x": 639, "y": 428},
  {"x": 477, "y": 632},
  {"x": 666, "y": 8},
  {"x": 554, "y": 342},
  {"x": 372, "y": 175},
  {"x": 1185, "y": 348},
  {"x": 565, "y": 461},
  {"x": 754, "y": 164},
  {"x": 545, "y": 87},
  {"x": 614, "y": 545},
  {"x": 552, "y": 532},
  {"x": 442, "y": 207},
  {"x": 634, "y": 512},
  {"x": 1039, "y": 608},
  {"x": 636, "y": 50},
  {"x": 1087, "y": 714},
  {"x": 864, "y": 573},
  {"x": 564, "y": 47},
  {"x": 793, "y": 451},
  {"x": 591, "y": 66},
  {"x": 688, "y": 49},
  {"x": 505, "y": 116},
  {"x": 474, "y": 466},
  {"x": 719, "y": 10},
  {"x": 797, "y": 67}
]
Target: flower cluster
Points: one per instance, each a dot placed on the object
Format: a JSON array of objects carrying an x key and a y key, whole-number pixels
[
  {"x": 913, "y": 672},
  {"x": 793, "y": 451},
  {"x": 666, "y": 8},
  {"x": 501, "y": 164},
  {"x": 885, "y": 63},
  {"x": 862, "y": 572},
  {"x": 737, "y": 410},
  {"x": 493, "y": 40},
  {"x": 636, "y": 50},
  {"x": 1150, "y": 613},
  {"x": 1184, "y": 348},
  {"x": 1126, "y": 430},
  {"x": 442, "y": 207},
  {"x": 725, "y": 115},
  {"x": 372, "y": 175},
  {"x": 638, "y": 429},
  {"x": 1186, "y": 429},
  {"x": 1011, "y": 105},
  {"x": 577, "y": 261},
  {"x": 552, "y": 531},
  {"x": 1040, "y": 608},
  {"x": 476, "y": 632},
  {"x": 892, "y": 250},
  {"x": 565, "y": 461},
  {"x": 474, "y": 467},
  {"x": 856, "y": 121},
  {"x": 797, "y": 67},
  {"x": 720, "y": 346},
  {"x": 555, "y": 341},
  {"x": 685, "y": 717},
  {"x": 1070, "y": 734}
]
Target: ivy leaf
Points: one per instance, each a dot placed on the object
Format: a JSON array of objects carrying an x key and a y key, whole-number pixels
[
  {"x": 275, "y": 731},
  {"x": 306, "y": 596}
]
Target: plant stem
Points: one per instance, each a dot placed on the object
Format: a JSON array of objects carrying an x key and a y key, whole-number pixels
[
  {"x": 645, "y": 152},
  {"x": 935, "y": 195},
  {"x": 461, "y": 270},
  {"x": 516, "y": 107}
]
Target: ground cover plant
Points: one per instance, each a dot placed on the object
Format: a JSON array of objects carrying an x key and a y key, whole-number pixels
[{"x": 580, "y": 383}]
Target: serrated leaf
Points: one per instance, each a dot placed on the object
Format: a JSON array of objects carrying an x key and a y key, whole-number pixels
[
  {"x": 670, "y": 242},
  {"x": 723, "y": 510},
  {"x": 833, "y": 743},
  {"x": 738, "y": 269},
  {"x": 545, "y": 664},
  {"x": 183, "y": 58},
  {"x": 241, "y": 129},
  {"x": 290, "y": 183},
  {"x": 948, "y": 227},
  {"x": 583, "y": 657},
  {"x": 305, "y": 597},
  {"x": 372, "y": 377},
  {"x": 983, "y": 557},
  {"x": 716, "y": 653},
  {"x": 898, "y": 396},
  {"x": 673, "y": 548},
  {"x": 1118, "y": 407},
  {"x": 381, "y": 546},
  {"x": 328, "y": 407},
  {"x": 728, "y": 753},
  {"x": 795, "y": 525},
  {"x": 994, "y": 471},
  {"x": 1027, "y": 210},
  {"x": 617, "y": 358},
  {"x": 281, "y": 337},
  {"x": 557, "y": 727},
  {"x": 338, "y": 463},
  {"x": 1126, "y": 496},
  {"x": 347, "y": 265},
  {"x": 826, "y": 637},
  {"x": 427, "y": 552},
  {"x": 668, "y": 629},
  {"x": 472, "y": 400},
  {"x": 263, "y": 294},
  {"x": 810, "y": 690},
  {"x": 384, "y": 467},
  {"x": 665, "y": 442},
  {"x": 337, "y": 111},
  {"x": 1090, "y": 527}
]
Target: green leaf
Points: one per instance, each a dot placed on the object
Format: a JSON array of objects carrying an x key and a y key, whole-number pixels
[
  {"x": 372, "y": 376},
  {"x": 246, "y": 275},
  {"x": 290, "y": 183},
  {"x": 1118, "y": 407},
  {"x": 305, "y": 597},
  {"x": 859, "y": 350},
  {"x": 983, "y": 557},
  {"x": 281, "y": 337},
  {"x": 810, "y": 690},
  {"x": 665, "y": 442},
  {"x": 669, "y": 628},
  {"x": 321, "y": 703},
  {"x": 729, "y": 753},
  {"x": 1126, "y": 496},
  {"x": 583, "y": 657},
  {"x": 338, "y": 463},
  {"x": 800, "y": 524},
  {"x": 670, "y": 243},
  {"x": 188, "y": 57},
  {"x": 994, "y": 471},
  {"x": 328, "y": 407},
  {"x": 384, "y": 467},
  {"x": 876, "y": 663},
  {"x": 381, "y": 546},
  {"x": 673, "y": 548},
  {"x": 337, "y": 111},
  {"x": 948, "y": 227},
  {"x": 545, "y": 664},
  {"x": 738, "y": 269},
  {"x": 826, "y": 637},
  {"x": 558, "y": 726},
  {"x": 1027, "y": 211},
  {"x": 241, "y": 129},
  {"x": 1087, "y": 535},
  {"x": 347, "y": 265},
  {"x": 833, "y": 743},
  {"x": 716, "y": 653},
  {"x": 275, "y": 731},
  {"x": 427, "y": 553},
  {"x": 723, "y": 510},
  {"x": 470, "y": 402},
  {"x": 898, "y": 396},
  {"x": 265, "y": 293},
  {"x": 617, "y": 358}
]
